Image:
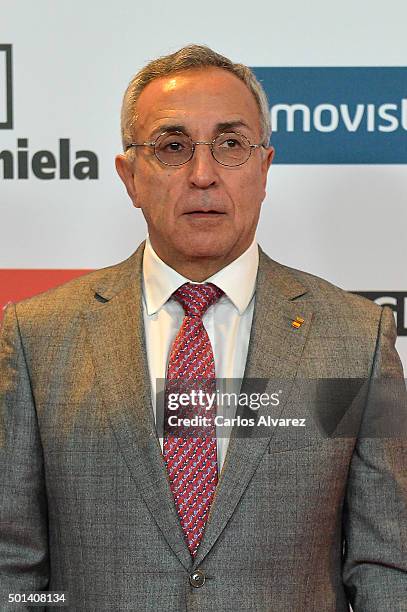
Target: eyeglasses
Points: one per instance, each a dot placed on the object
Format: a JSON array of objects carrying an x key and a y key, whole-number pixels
[{"x": 176, "y": 148}]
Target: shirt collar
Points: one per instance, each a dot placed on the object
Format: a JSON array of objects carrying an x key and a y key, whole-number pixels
[{"x": 237, "y": 280}]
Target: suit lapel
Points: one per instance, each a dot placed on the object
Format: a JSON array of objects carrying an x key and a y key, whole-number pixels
[
  {"x": 116, "y": 336},
  {"x": 274, "y": 353}
]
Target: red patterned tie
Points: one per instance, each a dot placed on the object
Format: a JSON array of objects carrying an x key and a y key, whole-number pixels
[{"x": 191, "y": 459}]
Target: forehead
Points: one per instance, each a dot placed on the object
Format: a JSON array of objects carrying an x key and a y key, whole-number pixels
[{"x": 198, "y": 99}]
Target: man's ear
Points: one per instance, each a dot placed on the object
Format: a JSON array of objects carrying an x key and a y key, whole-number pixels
[
  {"x": 268, "y": 155},
  {"x": 125, "y": 171}
]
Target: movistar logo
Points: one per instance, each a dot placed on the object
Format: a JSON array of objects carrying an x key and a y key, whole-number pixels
[
  {"x": 338, "y": 115},
  {"x": 327, "y": 117}
]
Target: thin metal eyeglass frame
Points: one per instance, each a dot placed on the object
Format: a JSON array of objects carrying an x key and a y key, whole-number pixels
[{"x": 193, "y": 144}]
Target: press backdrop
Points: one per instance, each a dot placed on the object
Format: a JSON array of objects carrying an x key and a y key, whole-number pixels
[{"x": 337, "y": 80}]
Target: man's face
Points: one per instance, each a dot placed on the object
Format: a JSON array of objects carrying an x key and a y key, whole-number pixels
[{"x": 200, "y": 209}]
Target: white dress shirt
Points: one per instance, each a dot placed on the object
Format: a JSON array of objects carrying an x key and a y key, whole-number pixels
[{"x": 228, "y": 322}]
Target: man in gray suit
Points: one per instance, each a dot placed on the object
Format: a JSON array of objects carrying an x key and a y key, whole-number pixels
[{"x": 287, "y": 519}]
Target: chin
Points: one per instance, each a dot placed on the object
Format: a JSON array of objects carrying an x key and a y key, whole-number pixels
[
  {"x": 202, "y": 248},
  {"x": 201, "y": 251}
]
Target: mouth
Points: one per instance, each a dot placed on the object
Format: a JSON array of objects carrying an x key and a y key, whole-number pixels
[{"x": 207, "y": 214}]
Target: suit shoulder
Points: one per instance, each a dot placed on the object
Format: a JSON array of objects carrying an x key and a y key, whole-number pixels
[
  {"x": 331, "y": 304},
  {"x": 71, "y": 297},
  {"x": 321, "y": 289}
]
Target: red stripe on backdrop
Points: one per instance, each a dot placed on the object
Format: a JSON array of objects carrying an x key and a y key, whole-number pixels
[{"x": 17, "y": 285}]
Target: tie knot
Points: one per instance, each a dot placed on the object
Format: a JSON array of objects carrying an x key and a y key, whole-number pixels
[{"x": 196, "y": 298}]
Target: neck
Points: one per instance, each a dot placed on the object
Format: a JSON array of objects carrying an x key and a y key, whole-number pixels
[{"x": 199, "y": 271}]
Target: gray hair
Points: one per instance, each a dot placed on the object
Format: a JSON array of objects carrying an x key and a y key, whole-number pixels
[{"x": 189, "y": 57}]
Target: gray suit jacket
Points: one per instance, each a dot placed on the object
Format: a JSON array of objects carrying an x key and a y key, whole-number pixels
[{"x": 300, "y": 521}]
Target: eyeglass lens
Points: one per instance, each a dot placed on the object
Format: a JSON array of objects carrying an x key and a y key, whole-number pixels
[{"x": 229, "y": 149}]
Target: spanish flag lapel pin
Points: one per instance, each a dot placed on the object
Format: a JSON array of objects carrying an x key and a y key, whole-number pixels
[{"x": 297, "y": 322}]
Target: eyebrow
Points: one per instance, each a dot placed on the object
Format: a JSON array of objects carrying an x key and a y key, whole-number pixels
[
  {"x": 231, "y": 125},
  {"x": 224, "y": 126},
  {"x": 167, "y": 127}
]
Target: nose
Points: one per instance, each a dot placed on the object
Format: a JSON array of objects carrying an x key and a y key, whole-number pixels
[{"x": 203, "y": 171}]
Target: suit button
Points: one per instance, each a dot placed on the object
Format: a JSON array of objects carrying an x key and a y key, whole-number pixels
[{"x": 197, "y": 578}]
